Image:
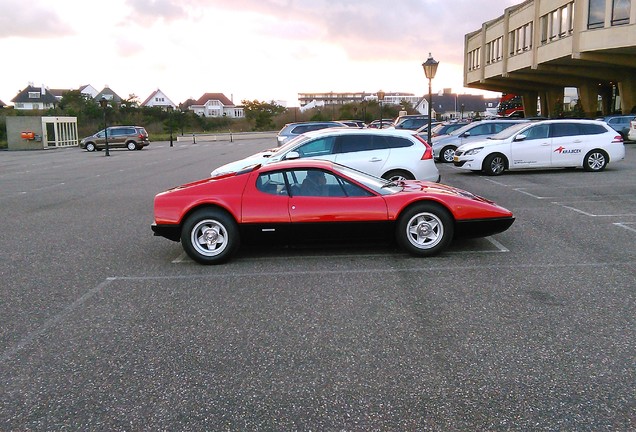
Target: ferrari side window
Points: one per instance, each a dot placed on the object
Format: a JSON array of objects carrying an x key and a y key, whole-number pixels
[{"x": 272, "y": 183}]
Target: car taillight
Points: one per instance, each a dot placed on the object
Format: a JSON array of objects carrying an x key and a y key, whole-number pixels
[
  {"x": 617, "y": 139},
  {"x": 428, "y": 153}
]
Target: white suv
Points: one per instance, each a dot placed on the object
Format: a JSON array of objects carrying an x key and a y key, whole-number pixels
[
  {"x": 544, "y": 144},
  {"x": 388, "y": 153}
]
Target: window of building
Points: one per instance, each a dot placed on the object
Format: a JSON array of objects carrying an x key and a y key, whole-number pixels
[
  {"x": 34, "y": 95},
  {"x": 596, "y": 14},
  {"x": 620, "y": 12}
]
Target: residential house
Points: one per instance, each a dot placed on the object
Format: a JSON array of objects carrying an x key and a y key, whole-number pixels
[
  {"x": 109, "y": 95},
  {"x": 216, "y": 105},
  {"x": 158, "y": 99},
  {"x": 34, "y": 98},
  {"x": 88, "y": 90},
  {"x": 2, "y": 104},
  {"x": 447, "y": 105}
]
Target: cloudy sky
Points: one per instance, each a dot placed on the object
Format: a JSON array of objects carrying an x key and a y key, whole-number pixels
[{"x": 247, "y": 49}]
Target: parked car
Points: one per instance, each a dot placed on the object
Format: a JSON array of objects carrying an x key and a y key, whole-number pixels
[
  {"x": 544, "y": 144},
  {"x": 387, "y": 153},
  {"x": 446, "y": 128},
  {"x": 354, "y": 123},
  {"x": 386, "y": 123},
  {"x": 410, "y": 121},
  {"x": 444, "y": 146},
  {"x": 274, "y": 203},
  {"x": 130, "y": 137},
  {"x": 292, "y": 130},
  {"x": 632, "y": 131},
  {"x": 620, "y": 123}
]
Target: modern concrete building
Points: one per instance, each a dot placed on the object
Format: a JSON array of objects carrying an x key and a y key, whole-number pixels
[{"x": 539, "y": 47}]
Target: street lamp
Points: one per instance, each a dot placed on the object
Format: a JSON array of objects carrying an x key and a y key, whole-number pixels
[
  {"x": 170, "y": 108},
  {"x": 381, "y": 95},
  {"x": 104, "y": 104},
  {"x": 430, "y": 69}
]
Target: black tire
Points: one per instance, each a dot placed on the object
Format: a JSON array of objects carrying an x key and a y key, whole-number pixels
[
  {"x": 494, "y": 164},
  {"x": 398, "y": 175},
  {"x": 90, "y": 147},
  {"x": 131, "y": 145},
  {"x": 425, "y": 229},
  {"x": 595, "y": 161},
  {"x": 447, "y": 154},
  {"x": 210, "y": 236}
]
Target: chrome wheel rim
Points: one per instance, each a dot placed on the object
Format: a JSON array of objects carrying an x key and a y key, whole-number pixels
[
  {"x": 596, "y": 161},
  {"x": 209, "y": 237},
  {"x": 497, "y": 165},
  {"x": 448, "y": 155},
  {"x": 425, "y": 230}
]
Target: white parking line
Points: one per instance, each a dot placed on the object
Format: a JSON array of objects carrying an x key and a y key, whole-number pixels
[
  {"x": 593, "y": 214},
  {"x": 624, "y": 225}
]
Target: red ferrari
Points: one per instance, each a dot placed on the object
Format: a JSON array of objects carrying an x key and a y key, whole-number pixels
[{"x": 303, "y": 200}]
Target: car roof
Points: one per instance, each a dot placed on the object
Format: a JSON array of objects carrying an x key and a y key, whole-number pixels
[{"x": 354, "y": 131}]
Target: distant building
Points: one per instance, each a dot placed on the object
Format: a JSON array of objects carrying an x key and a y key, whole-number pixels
[
  {"x": 216, "y": 105},
  {"x": 34, "y": 98},
  {"x": 88, "y": 90},
  {"x": 449, "y": 105},
  {"x": 158, "y": 99},
  {"x": 2, "y": 104},
  {"x": 109, "y": 95},
  {"x": 318, "y": 100}
]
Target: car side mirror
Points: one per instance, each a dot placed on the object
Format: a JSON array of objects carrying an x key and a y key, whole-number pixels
[
  {"x": 465, "y": 135},
  {"x": 520, "y": 137},
  {"x": 292, "y": 155}
]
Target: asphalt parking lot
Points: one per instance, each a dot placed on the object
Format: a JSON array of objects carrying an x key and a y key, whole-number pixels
[{"x": 105, "y": 327}]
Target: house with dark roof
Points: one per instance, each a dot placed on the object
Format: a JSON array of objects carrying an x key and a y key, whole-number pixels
[
  {"x": 449, "y": 105},
  {"x": 158, "y": 99},
  {"x": 34, "y": 98},
  {"x": 2, "y": 104},
  {"x": 216, "y": 105},
  {"x": 109, "y": 95}
]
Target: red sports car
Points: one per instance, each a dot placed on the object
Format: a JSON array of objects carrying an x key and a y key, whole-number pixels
[{"x": 303, "y": 200}]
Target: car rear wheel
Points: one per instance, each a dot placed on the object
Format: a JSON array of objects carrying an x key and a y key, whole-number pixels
[
  {"x": 210, "y": 236},
  {"x": 398, "y": 175},
  {"x": 595, "y": 161},
  {"x": 447, "y": 154},
  {"x": 90, "y": 147},
  {"x": 425, "y": 229},
  {"x": 131, "y": 145},
  {"x": 494, "y": 165}
]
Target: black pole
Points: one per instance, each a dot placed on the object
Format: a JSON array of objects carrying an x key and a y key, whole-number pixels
[
  {"x": 106, "y": 132},
  {"x": 430, "y": 110},
  {"x": 170, "y": 121}
]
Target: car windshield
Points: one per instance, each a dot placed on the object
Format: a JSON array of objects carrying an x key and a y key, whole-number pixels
[
  {"x": 508, "y": 132},
  {"x": 462, "y": 129},
  {"x": 376, "y": 184},
  {"x": 291, "y": 143}
]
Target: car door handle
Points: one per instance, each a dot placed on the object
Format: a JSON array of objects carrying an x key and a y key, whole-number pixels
[
  {"x": 545, "y": 144},
  {"x": 375, "y": 159}
]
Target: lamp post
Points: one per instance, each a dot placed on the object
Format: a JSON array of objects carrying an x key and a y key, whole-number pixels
[
  {"x": 170, "y": 108},
  {"x": 430, "y": 69},
  {"x": 381, "y": 95},
  {"x": 104, "y": 104}
]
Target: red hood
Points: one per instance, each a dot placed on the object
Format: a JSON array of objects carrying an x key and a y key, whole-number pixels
[{"x": 439, "y": 188}]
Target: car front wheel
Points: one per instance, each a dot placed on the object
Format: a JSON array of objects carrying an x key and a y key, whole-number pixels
[
  {"x": 90, "y": 147},
  {"x": 595, "y": 161},
  {"x": 425, "y": 229},
  {"x": 494, "y": 165},
  {"x": 210, "y": 236},
  {"x": 447, "y": 154}
]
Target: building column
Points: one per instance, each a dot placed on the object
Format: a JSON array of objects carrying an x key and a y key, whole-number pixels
[
  {"x": 588, "y": 96},
  {"x": 553, "y": 96},
  {"x": 529, "y": 100},
  {"x": 627, "y": 90}
]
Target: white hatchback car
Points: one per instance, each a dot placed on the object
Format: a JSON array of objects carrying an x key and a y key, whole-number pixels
[
  {"x": 388, "y": 153},
  {"x": 588, "y": 144}
]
